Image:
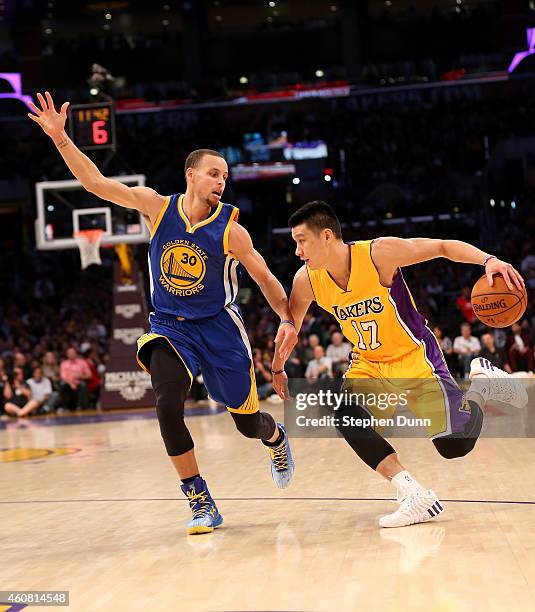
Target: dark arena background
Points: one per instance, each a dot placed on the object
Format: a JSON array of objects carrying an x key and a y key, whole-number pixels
[{"x": 411, "y": 119}]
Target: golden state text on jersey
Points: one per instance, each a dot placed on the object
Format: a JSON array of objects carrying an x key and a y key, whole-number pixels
[{"x": 192, "y": 273}]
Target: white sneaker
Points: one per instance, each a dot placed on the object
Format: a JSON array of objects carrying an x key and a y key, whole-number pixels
[
  {"x": 418, "y": 506},
  {"x": 502, "y": 388}
]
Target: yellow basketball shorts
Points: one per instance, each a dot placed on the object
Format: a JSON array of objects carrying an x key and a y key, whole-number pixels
[{"x": 424, "y": 380}]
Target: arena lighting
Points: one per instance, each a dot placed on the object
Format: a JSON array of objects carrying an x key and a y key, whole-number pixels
[
  {"x": 244, "y": 80},
  {"x": 513, "y": 204},
  {"x": 107, "y": 16},
  {"x": 320, "y": 73},
  {"x": 492, "y": 202},
  {"x": 521, "y": 55},
  {"x": 327, "y": 178},
  {"x": 296, "y": 180},
  {"x": 93, "y": 91},
  {"x": 15, "y": 80}
]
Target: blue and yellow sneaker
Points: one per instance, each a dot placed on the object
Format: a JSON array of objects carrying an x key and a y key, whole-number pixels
[
  {"x": 282, "y": 463},
  {"x": 206, "y": 516}
]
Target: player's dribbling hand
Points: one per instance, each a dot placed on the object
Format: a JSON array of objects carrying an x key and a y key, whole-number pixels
[
  {"x": 280, "y": 385},
  {"x": 285, "y": 340},
  {"x": 51, "y": 122},
  {"x": 511, "y": 276}
]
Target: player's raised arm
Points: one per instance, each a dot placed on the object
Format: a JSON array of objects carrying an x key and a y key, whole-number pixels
[
  {"x": 241, "y": 246},
  {"x": 300, "y": 299},
  {"x": 391, "y": 253},
  {"x": 144, "y": 199}
]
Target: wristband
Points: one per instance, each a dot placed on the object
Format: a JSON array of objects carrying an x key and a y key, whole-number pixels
[
  {"x": 287, "y": 321},
  {"x": 277, "y": 371},
  {"x": 488, "y": 259}
]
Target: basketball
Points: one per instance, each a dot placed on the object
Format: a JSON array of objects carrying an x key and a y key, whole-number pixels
[{"x": 497, "y": 306}]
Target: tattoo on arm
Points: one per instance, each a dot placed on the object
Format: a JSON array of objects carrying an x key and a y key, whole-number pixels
[{"x": 62, "y": 143}]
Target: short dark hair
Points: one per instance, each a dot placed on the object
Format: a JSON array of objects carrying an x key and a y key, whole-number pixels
[
  {"x": 195, "y": 157},
  {"x": 317, "y": 215}
]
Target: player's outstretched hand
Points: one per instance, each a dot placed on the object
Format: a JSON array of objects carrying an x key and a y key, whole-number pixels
[
  {"x": 511, "y": 276},
  {"x": 50, "y": 121},
  {"x": 285, "y": 340},
  {"x": 280, "y": 385}
]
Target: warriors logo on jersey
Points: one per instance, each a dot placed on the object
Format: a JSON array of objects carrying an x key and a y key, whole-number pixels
[
  {"x": 192, "y": 273},
  {"x": 183, "y": 266}
]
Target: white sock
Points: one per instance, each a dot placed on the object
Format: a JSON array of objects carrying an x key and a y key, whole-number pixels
[
  {"x": 405, "y": 483},
  {"x": 479, "y": 390}
]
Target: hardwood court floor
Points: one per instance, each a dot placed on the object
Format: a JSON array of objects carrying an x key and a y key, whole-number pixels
[{"x": 105, "y": 521}]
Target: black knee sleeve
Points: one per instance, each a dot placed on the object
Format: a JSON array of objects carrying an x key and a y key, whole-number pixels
[
  {"x": 170, "y": 381},
  {"x": 259, "y": 425},
  {"x": 460, "y": 444},
  {"x": 370, "y": 446}
]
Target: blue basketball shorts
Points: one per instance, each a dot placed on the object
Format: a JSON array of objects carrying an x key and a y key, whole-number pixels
[{"x": 217, "y": 347}]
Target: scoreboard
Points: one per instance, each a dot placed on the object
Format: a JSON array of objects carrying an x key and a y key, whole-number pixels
[{"x": 92, "y": 126}]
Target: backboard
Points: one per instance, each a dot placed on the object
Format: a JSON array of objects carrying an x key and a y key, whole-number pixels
[{"x": 65, "y": 207}]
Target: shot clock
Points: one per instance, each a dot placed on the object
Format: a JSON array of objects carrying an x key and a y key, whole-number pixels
[{"x": 92, "y": 126}]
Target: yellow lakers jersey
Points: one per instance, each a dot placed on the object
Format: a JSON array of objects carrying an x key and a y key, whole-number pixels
[{"x": 382, "y": 323}]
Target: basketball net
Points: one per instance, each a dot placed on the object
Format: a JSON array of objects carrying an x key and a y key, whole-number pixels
[{"x": 88, "y": 242}]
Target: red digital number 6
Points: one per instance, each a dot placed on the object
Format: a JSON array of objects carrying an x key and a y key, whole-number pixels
[{"x": 100, "y": 134}]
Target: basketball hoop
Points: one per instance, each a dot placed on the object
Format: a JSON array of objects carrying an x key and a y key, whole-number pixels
[{"x": 88, "y": 242}]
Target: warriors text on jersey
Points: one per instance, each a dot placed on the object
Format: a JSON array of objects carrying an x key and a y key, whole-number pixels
[{"x": 192, "y": 274}]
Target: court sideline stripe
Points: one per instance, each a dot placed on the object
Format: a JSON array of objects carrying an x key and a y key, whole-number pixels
[{"x": 332, "y": 499}]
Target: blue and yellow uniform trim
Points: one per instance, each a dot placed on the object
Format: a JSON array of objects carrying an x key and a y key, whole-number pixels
[
  {"x": 143, "y": 342},
  {"x": 194, "y": 280},
  {"x": 160, "y": 216}
]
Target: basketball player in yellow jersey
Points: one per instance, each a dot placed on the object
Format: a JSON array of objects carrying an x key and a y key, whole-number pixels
[{"x": 362, "y": 286}]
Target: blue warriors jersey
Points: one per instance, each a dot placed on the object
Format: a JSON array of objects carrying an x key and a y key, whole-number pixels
[{"x": 192, "y": 273}]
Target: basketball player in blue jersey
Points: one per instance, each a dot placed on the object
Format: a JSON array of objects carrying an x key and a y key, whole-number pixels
[
  {"x": 361, "y": 284},
  {"x": 195, "y": 248}
]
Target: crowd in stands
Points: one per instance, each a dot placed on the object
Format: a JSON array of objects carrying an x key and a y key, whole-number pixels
[{"x": 54, "y": 338}]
